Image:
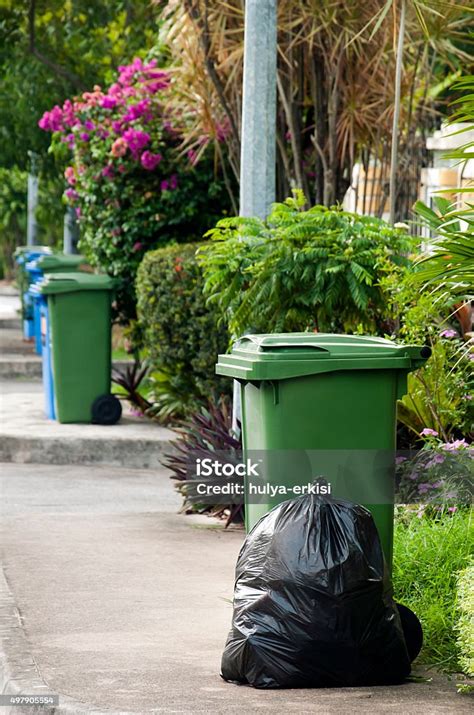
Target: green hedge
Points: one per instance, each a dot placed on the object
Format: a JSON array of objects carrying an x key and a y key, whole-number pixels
[{"x": 180, "y": 331}]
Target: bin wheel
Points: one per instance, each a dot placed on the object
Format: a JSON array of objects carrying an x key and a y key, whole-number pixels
[
  {"x": 412, "y": 631},
  {"x": 106, "y": 410}
]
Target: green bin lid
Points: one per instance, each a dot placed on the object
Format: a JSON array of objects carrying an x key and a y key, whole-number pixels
[
  {"x": 59, "y": 260},
  {"x": 54, "y": 283},
  {"x": 280, "y": 356}
]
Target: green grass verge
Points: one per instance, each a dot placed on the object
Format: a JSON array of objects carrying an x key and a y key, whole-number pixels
[{"x": 428, "y": 555}]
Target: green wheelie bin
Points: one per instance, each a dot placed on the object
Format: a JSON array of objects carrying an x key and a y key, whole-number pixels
[
  {"x": 321, "y": 406},
  {"x": 79, "y": 317}
]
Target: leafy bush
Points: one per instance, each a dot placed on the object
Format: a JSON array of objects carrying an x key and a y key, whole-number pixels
[
  {"x": 439, "y": 395},
  {"x": 180, "y": 332},
  {"x": 428, "y": 553},
  {"x": 131, "y": 187},
  {"x": 299, "y": 270},
  {"x": 465, "y": 623}
]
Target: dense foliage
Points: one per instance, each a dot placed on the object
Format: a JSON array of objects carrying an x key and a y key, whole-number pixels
[
  {"x": 428, "y": 553},
  {"x": 299, "y": 270},
  {"x": 131, "y": 189},
  {"x": 181, "y": 336}
]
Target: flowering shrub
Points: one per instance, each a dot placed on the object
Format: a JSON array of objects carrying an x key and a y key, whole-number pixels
[
  {"x": 439, "y": 476},
  {"x": 130, "y": 187}
]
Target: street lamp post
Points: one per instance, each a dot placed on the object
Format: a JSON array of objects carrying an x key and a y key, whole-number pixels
[
  {"x": 257, "y": 167},
  {"x": 258, "y": 141}
]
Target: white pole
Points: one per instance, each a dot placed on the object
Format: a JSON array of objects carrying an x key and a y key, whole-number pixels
[
  {"x": 32, "y": 203},
  {"x": 396, "y": 113},
  {"x": 258, "y": 142},
  {"x": 258, "y": 152},
  {"x": 70, "y": 231}
]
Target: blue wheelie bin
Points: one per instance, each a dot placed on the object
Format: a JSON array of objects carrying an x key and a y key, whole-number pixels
[
  {"x": 47, "y": 366},
  {"x": 23, "y": 255}
]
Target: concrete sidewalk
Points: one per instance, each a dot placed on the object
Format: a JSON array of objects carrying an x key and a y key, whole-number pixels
[
  {"x": 26, "y": 436},
  {"x": 119, "y": 605}
]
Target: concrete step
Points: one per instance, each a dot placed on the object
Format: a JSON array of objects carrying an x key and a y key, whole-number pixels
[
  {"x": 15, "y": 365},
  {"x": 10, "y": 323},
  {"x": 27, "y": 437}
]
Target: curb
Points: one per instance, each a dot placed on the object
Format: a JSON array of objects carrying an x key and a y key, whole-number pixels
[
  {"x": 19, "y": 672},
  {"x": 31, "y": 367},
  {"x": 20, "y": 368},
  {"x": 10, "y": 323},
  {"x": 131, "y": 453}
]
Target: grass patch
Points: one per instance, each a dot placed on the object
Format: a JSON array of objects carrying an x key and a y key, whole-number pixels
[{"x": 429, "y": 552}]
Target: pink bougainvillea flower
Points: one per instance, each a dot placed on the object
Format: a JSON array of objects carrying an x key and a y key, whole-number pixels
[
  {"x": 129, "y": 91},
  {"x": 89, "y": 125},
  {"x": 108, "y": 171},
  {"x": 108, "y": 102},
  {"x": 78, "y": 212},
  {"x": 150, "y": 161},
  {"x": 52, "y": 121},
  {"x": 137, "y": 246},
  {"x": 70, "y": 175},
  {"x": 119, "y": 147},
  {"x": 71, "y": 194},
  {"x": 428, "y": 432},
  {"x": 140, "y": 110},
  {"x": 117, "y": 126},
  {"x": 156, "y": 85},
  {"x": 84, "y": 136},
  {"x": 136, "y": 140},
  {"x": 164, "y": 185},
  {"x": 450, "y": 333},
  {"x": 173, "y": 182},
  {"x": 122, "y": 168},
  {"x": 128, "y": 72}
]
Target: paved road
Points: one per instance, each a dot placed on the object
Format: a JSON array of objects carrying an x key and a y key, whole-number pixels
[{"x": 121, "y": 605}]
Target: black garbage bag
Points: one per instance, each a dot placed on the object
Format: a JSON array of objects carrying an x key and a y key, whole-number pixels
[{"x": 313, "y": 602}]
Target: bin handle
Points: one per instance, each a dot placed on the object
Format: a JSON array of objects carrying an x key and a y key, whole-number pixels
[{"x": 268, "y": 343}]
